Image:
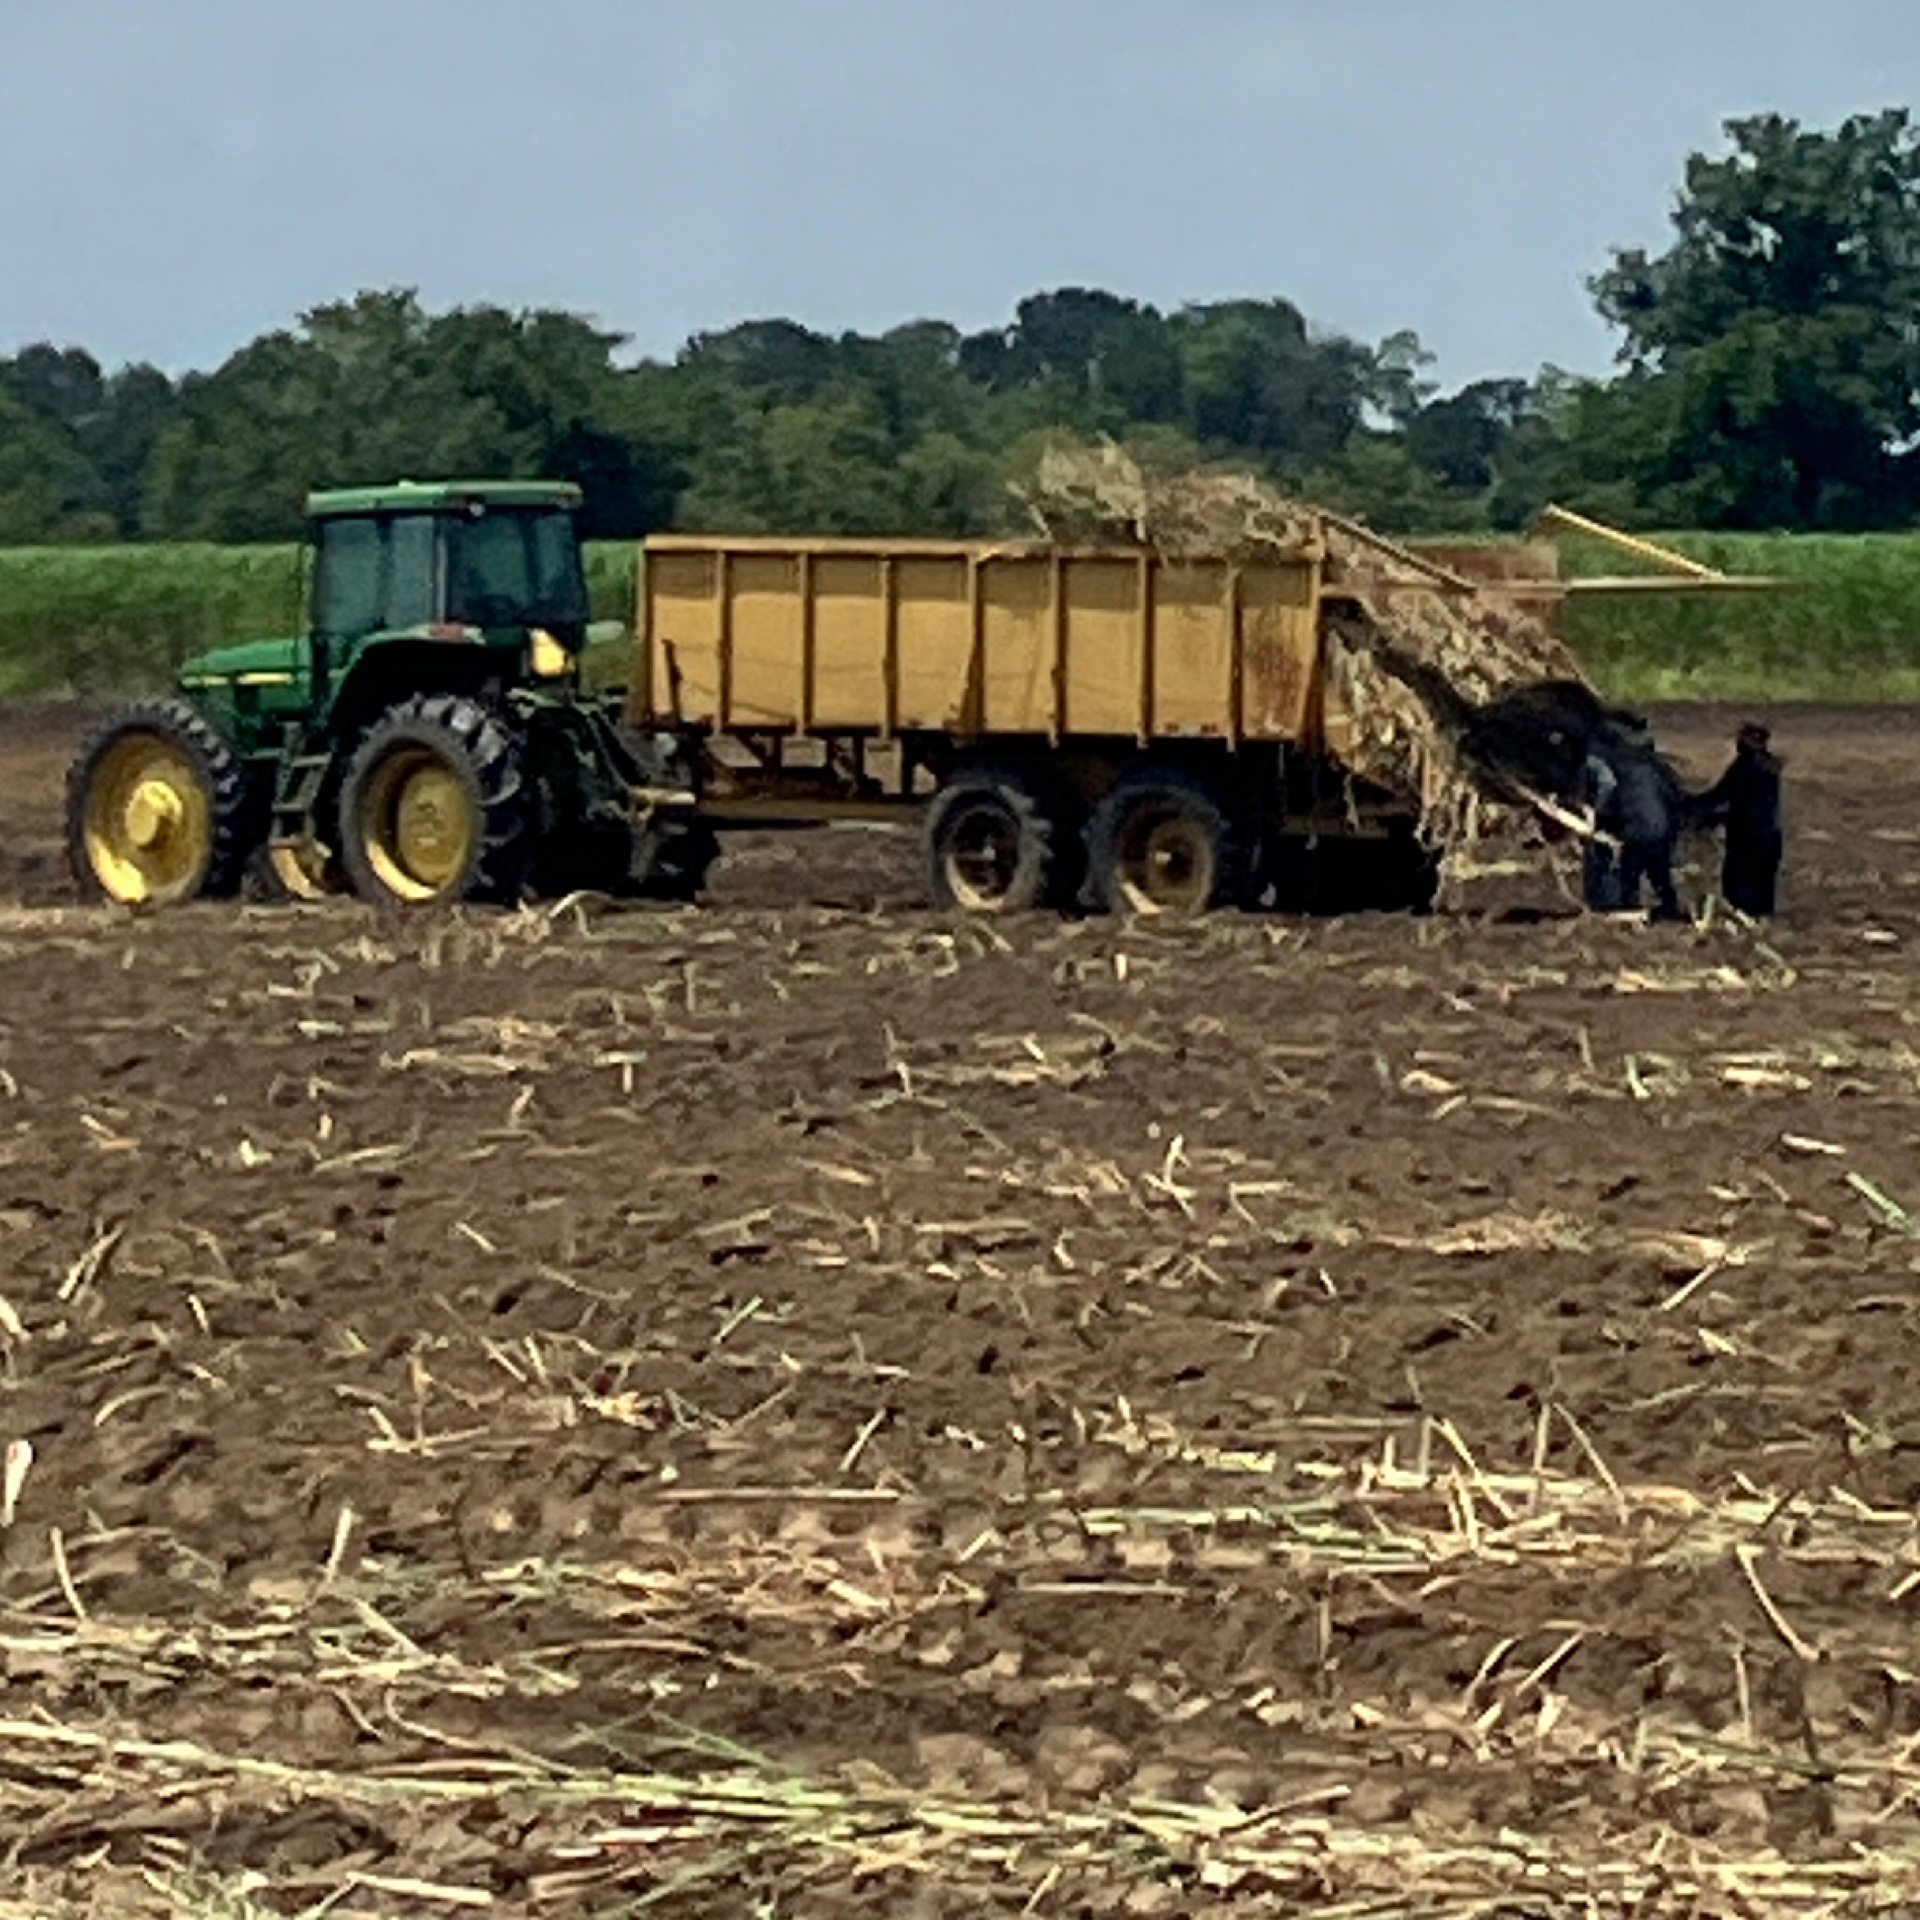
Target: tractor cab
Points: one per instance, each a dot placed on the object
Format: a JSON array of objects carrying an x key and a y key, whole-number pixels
[
  {"x": 465, "y": 587},
  {"x": 494, "y": 564}
]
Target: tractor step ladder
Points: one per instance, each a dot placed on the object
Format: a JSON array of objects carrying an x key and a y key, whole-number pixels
[
  {"x": 298, "y": 859},
  {"x": 296, "y": 787}
]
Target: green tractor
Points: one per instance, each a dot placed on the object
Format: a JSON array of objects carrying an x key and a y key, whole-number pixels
[{"x": 426, "y": 740}]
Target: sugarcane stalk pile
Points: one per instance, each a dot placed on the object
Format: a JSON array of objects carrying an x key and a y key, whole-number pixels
[{"x": 1416, "y": 657}]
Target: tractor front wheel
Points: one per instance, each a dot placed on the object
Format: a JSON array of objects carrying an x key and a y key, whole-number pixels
[
  {"x": 433, "y": 806},
  {"x": 159, "y": 809}
]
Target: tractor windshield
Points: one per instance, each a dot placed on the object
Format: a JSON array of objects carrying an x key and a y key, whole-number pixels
[{"x": 515, "y": 567}]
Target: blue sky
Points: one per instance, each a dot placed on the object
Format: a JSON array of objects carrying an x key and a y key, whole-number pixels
[{"x": 179, "y": 175}]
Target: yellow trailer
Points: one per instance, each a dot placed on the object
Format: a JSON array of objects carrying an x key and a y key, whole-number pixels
[
  {"x": 881, "y": 638},
  {"x": 1158, "y": 727}
]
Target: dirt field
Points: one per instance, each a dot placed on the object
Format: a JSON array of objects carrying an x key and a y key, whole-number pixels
[{"x": 803, "y": 1407}]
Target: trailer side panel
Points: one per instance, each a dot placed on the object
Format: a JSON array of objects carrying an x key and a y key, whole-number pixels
[{"x": 973, "y": 640}]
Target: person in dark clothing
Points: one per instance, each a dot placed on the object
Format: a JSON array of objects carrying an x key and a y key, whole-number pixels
[
  {"x": 1647, "y": 808},
  {"x": 1598, "y": 793},
  {"x": 1746, "y": 801}
]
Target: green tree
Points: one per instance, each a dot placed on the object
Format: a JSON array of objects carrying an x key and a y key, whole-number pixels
[
  {"x": 1103, "y": 360},
  {"x": 1376, "y": 478},
  {"x": 1775, "y": 341},
  {"x": 138, "y": 405},
  {"x": 951, "y": 490},
  {"x": 550, "y": 378},
  {"x": 779, "y": 359},
  {"x": 1396, "y": 386},
  {"x": 1259, "y": 380},
  {"x": 353, "y": 395},
  {"x": 110, "y": 421},
  {"x": 376, "y": 388},
  {"x": 48, "y": 490},
  {"x": 822, "y": 467},
  {"x": 770, "y": 425},
  {"x": 1459, "y": 439},
  {"x": 913, "y": 374}
]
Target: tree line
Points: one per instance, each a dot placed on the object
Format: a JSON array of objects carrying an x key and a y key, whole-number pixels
[{"x": 1768, "y": 376}]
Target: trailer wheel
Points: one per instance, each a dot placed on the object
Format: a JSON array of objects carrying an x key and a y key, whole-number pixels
[
  {"x": 159, "y": 809},
  {"x": 433, "y": 806},
  {"x": 995, "y": 844},
  {"x": 1162, "y": 843}
]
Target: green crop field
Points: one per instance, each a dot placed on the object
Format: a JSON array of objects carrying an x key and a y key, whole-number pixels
[
  {"x": 115, "y": 620},
  {"x": 103, "y": 620},
  {"x": 1846, "y": 629}
]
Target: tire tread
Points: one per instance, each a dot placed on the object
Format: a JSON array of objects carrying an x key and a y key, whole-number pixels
[
  {"x": 236, "y": 821},
  {"x": 474, "y": 740}
]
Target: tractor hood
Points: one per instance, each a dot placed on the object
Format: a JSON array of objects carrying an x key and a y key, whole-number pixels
[{"x": 258, "y": 663}]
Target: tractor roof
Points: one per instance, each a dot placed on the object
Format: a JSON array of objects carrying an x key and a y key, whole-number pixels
[{"x": 441, "y": 496}]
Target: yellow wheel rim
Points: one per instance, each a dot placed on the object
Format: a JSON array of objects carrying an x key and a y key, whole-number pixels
[
  {"x": 303, "y": 868},
  {"x": 418, "y": 825},
  {"x": 148, "y": 822}
]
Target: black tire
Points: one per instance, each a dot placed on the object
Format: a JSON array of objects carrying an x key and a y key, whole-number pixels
[
  {"x": 1162, "y": 842},
  {"x": 451, "y": 763},
  {"x": 997, "y": 841},
  {"x": 198, "y": 845}
]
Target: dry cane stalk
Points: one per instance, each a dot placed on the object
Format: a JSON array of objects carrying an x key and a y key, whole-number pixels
[
  {"x": 1411, "y": 650},
  {"x": 19, "y": 1462}
]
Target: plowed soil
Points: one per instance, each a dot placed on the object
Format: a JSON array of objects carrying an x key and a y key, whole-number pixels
[{"x": 804, "y": 1406}]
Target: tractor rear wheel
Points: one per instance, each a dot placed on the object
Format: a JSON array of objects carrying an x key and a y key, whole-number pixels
[
  {"x": 433, "y": 806},
  {"x": 998, "y": 843},
  {"x": 159, "y": 809},
  {"x": 1162, "y": 843}
]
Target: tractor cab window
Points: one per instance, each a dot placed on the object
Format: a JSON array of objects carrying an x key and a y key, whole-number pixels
[
  {"x": 412, "y": 596},
  {"x": 376, "y": 574},
  {"x": 515, "y": 567},
  {"x": 347, "y": 582}
]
